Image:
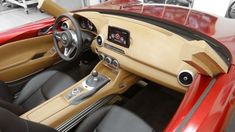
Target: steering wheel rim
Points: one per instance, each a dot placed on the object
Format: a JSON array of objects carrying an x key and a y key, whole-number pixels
[{"x": 70, "y": 40}]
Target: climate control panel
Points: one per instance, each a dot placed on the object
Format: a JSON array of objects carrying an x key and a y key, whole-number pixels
[{"x": 109, "y": 60}]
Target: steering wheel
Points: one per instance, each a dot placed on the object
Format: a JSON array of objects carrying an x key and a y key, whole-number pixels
[{"x": 68, "y": 42}]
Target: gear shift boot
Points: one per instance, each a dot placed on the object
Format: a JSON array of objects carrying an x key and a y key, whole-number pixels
[
  {"x": 95, "y": 81},
  {"x": 92, "y": 84}
]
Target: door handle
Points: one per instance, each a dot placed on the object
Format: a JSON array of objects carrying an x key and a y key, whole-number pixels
[{"x": 45, "y": 30}]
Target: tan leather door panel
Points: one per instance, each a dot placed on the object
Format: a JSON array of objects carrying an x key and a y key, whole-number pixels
[{"x": 22, "y": 58}]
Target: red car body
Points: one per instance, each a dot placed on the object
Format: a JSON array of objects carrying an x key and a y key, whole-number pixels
[{"x": 217, "y": 105}]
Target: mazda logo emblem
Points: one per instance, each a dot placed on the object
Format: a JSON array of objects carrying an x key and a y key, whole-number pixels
[{"x": 64, "y": 38}]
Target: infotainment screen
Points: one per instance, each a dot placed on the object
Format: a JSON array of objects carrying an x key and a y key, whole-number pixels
[{"x": 119, "y": 36}]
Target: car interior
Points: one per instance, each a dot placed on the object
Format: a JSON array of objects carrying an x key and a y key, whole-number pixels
[{"x": 100, "y": 71}]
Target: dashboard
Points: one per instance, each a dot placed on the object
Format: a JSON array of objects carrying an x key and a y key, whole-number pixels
[{"x": 150, "y": 51}]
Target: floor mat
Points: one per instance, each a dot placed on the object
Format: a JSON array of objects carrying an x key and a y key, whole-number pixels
[{"x": 155, "y": 104}]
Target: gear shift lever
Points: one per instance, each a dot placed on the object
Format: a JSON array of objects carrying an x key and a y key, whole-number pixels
[{"x": 93, "y": 83}]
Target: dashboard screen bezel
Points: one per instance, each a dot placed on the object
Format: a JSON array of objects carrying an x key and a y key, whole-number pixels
[{"x": 111, "y": 28}]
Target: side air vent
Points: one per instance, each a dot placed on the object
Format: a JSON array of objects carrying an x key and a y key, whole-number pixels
[
  {"x": 185, "y": 78},
  {"x": 99, "y": 40}
]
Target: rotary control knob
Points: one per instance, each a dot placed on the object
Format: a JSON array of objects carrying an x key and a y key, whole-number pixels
[
  {"x": 108, "y": 60},
  {"x": 75, "y": 91},
  {"x": 101, "y": 56},
  {"x": 115, "y": 63},
  {"x": 99, "y": 40}
]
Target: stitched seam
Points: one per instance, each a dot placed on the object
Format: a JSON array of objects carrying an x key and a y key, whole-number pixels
[
  {"x": 45, "y": 83},
  {"x": 26, "y": 125},
  {"x": 43, "y": 94}
]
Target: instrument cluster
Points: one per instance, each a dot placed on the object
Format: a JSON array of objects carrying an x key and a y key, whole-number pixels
[{"x": 86, "y": 24}]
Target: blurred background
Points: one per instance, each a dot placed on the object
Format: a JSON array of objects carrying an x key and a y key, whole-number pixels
[{"x": 15, "y": 13}]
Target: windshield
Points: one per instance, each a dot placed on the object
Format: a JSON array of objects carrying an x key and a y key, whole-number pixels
[{"x": 224, "y": 8}]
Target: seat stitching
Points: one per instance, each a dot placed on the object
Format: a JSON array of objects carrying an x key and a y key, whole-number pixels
[
  {"x": 26, "y": 125},
  {"x": 43, "y": 94},
  {"x": 45, "y": 83}
]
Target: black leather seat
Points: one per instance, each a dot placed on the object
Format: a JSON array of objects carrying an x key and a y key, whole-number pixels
[
  {"x": 39, "y": 89},
  {"x": 107, "y": 119},
  {"x": 10, "y": 122},
  {"x": 113, "y": 119}
]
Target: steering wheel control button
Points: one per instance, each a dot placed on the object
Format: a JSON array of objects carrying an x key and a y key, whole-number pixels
[
  {"x": 108, "y": 60},
  {"x": 185, "y": 78},
  {"x": 101, "y": 56},
  {"x": 99, "y": 40}
]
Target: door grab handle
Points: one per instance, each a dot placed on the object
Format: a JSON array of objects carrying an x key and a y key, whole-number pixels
[{"x": 45, "y": 31}]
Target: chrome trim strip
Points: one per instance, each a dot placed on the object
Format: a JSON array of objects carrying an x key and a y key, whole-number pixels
[
  {"x": 196, "y": 105},
  {"x": 70, "y": 123}
]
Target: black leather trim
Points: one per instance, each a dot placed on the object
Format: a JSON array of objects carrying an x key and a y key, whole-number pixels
[
  {"x": 9, "y": 122},
  {"x": 113, "y": 119},
  {"x": 33, "y": 85},
  {"x": 16, "y": 109},
  {"x": 43, "y": 87},
  {"x": 5, "y": 93}
]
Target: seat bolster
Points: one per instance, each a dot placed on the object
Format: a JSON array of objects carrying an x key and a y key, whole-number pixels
[
  {"x": 9, "y": 122},
  {"x": 56, "y": 84},
  {"x": 33, "y": 85},
  {"x": 5, "y": 92},
  {"x": 16, "y": 109},
  {"x": 93, "y": 120},
  {"x": 113, "y": 119}
]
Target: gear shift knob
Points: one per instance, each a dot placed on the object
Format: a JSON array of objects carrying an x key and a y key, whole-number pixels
[{"x": 94, "y": 73}]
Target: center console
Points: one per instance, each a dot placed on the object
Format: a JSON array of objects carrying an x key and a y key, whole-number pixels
[
  {"x": 66, "y": 109},
  {"x": 87, "y": 88}
]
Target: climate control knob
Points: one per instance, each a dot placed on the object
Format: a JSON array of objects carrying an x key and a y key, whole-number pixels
[
  {"x": 101, "y": 56},
  {"x": 115, "y": 63},
  {"x": 108, "y": 60}
]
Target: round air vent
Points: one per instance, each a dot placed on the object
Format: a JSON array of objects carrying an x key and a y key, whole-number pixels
[
  {"x": 99, "y": 40},
  {"x": 65, "y": 25},
  {"x": 185, "y": 77}
]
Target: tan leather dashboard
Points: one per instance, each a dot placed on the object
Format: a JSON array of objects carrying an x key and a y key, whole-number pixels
[{"x": 155, "y": 53}]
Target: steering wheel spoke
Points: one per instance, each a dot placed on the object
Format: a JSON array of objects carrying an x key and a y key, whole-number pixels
[
  {"x": 57, "y": 35},
  {"x": 69, "y": 51}
]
